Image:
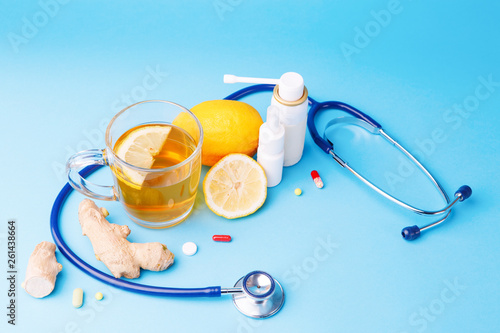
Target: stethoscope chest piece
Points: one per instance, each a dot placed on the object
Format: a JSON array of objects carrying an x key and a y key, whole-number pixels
[{"x": 262, "y": 296}]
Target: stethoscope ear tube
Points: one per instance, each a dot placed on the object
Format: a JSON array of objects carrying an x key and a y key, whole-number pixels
[
  {"x": 250, "y": 90},
  {"x": 413, "y": 232},
  {"x": 318, "y": 139}
]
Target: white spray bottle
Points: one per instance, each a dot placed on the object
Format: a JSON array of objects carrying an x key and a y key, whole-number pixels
[
  {"x": 290, "y": 95},
  {"x": 270, "y": 153}
]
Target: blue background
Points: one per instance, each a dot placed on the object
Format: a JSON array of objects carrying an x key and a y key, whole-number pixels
[{"x": 68, "y": 67}]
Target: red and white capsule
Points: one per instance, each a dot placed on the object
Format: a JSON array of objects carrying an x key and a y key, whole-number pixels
[
  {"x": 221, "y": 238},
  {"x": 317, "y": 179}
]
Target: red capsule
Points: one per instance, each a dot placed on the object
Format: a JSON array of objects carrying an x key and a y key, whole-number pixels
[
  {"x": 221, "y": 238},
  {"x": 317, "y": 179}
]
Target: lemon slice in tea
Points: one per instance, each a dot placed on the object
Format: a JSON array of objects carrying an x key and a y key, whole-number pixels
[
  {"x": 236, "y": 186},
  {"x": 139, "y": 147}
]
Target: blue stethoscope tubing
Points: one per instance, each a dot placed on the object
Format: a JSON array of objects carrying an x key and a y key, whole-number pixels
[
  {"x": 106, "y": 278},
  {"x": 216, "y": 291}
]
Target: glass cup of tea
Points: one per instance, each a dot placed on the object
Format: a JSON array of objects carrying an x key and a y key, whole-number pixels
[{"x": 153, "y": 149}]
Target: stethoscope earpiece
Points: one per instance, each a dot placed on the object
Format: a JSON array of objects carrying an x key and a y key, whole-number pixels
[
  {"x": 464, "y": 192},
  {"x": 411, "y": 233}
]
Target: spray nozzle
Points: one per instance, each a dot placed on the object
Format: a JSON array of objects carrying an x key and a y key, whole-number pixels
[
  {"x": 272, "y": 119},
  {"x": 291, "y": 84},
  {"x": 228, "y": 78}
]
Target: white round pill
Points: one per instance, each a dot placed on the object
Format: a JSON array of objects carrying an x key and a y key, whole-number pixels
[{"x": 189, "y": 248}]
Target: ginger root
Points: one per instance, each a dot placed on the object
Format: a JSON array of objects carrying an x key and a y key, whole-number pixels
[
  {"x": 42, "y": 270},
  {"x": 112, "y": 247}
]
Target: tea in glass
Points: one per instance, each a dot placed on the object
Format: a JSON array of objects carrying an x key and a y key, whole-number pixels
[{"x": 166, "y": 193}]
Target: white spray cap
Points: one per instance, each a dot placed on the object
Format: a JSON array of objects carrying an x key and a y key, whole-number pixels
[
  {"x": 291, "y": 84},
  {"x": 273, "y": 119},
  {"x": 272, "y": 133}
]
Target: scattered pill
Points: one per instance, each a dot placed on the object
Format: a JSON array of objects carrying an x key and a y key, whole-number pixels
[
  {"x": 298, "y": 191},
  {"x": 98, "y": 296},
  {"x": 221, "y": 238},
  {"x": 104, "y": 211},
  {"x": 77, "y": 297},
  {"x": 317, "y": 179},
  {"x": 189, "y": 248}
]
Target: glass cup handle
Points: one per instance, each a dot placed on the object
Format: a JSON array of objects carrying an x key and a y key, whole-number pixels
[{"x": 80, "y": 160}]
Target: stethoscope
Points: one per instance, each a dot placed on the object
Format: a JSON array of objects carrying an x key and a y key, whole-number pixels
[
  {"x": 258, "y": 294},
  {"x": 366, "y": 122}
]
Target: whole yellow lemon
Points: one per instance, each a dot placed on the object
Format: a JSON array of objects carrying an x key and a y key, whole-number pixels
[{"x": 228, "y": 127}]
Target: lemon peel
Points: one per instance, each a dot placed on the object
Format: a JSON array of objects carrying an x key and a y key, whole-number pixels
[{"x": 228, "y": 127}]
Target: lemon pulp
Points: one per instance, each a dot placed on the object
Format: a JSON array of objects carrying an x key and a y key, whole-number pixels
[{"x": 236, "y": 186}]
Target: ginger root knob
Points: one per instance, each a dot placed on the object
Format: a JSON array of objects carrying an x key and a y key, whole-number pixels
[
  {"x": 111, "y": 246},
  {"x": 42, "y": 270}
]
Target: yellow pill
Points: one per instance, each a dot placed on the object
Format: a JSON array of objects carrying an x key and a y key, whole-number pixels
[
  {"x": 104, "y": 212},
  {"x": 298, "y": 191},
  {"x": 98, "y": 296},
  {"x": 77, "y": 297}
]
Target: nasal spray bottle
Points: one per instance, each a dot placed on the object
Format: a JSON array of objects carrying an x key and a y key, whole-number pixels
[
  {"x": 270, "y": 153},
  {"x": 290, "y": 95}
]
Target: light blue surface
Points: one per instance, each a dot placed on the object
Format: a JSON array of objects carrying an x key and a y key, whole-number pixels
[{"x": 337, "y": 251}]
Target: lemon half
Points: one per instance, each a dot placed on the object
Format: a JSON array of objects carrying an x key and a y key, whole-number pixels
[{"x": 236, "y": 186}]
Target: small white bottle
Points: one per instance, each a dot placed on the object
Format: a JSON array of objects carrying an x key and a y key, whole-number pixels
[
  {"x": 270, "y": 153},
  {"x": 290, "y": 95}
]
